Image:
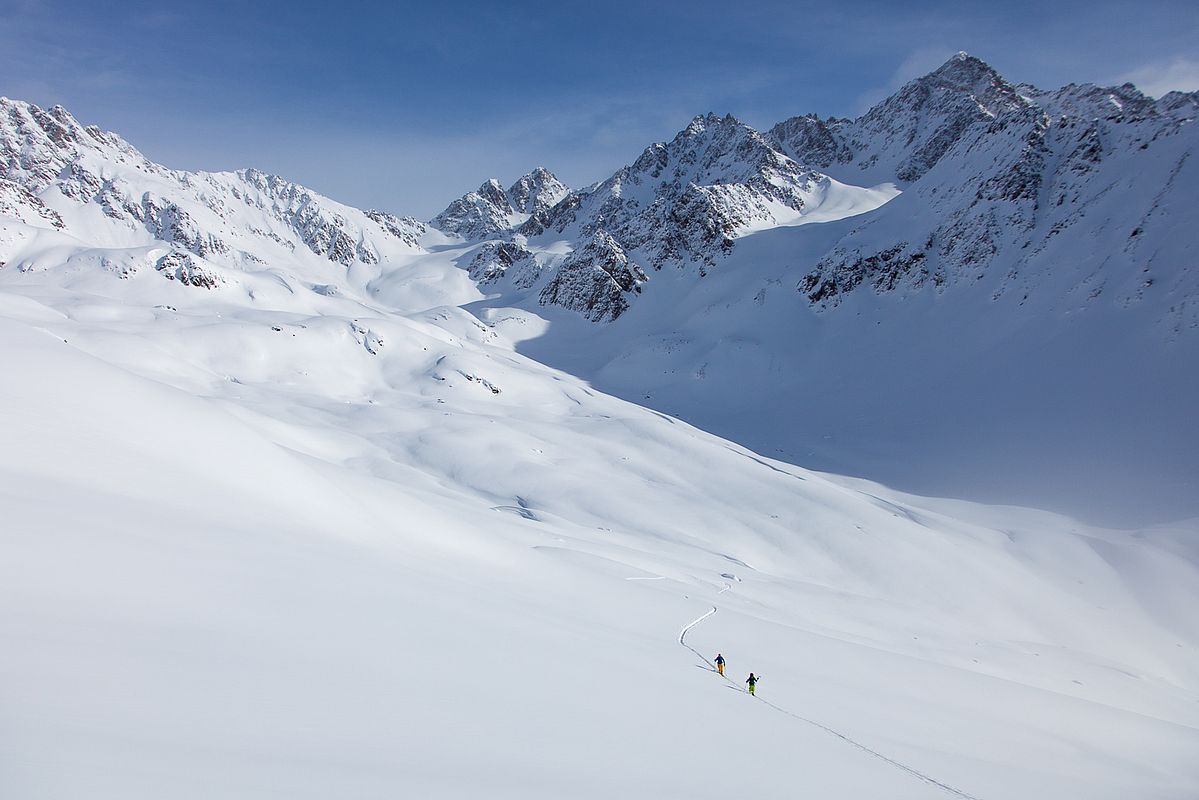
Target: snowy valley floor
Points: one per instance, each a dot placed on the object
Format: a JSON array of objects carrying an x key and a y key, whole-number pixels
[{"x": 256, "y": 554}]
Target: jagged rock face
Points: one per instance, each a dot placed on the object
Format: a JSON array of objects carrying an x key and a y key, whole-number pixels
[
  {"x": 185, "y": 268},
  {"x": 686, "y": 201},
  {"x": 42, "y": 150},
  {"x": 1114, "y": 103},
  {"x": 902, "y": 137},
  {"x": 595, "y": 280},
  {"x": 918, "y": 125},
  {"x": 170, "y": 223},
  {"x": 37, "y": 144},
  {"x": 324, "y": 230},
  {"x": 18, "y": 202},
  {"x": 494, "y": 260},
  {"x": 996, "y": 177},
  {"x": 478, "y": 214},
  {"x": 1179, "y": 104},
  {"x": 491, "y": 210},
  {"x": 50, "y": 164},
  {"x": 812, "y": 141},
  {"x": 1039, "y": 185},
  {"x": 40, "y": 147},
  {"x": 681, "y": 204},
  {"x": 405, "y": 229},
  {"x": 536, "y": 192}
]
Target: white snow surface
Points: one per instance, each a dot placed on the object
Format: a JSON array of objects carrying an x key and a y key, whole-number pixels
[
  {"x": 283, "y": 518},
  {"x": 255, "y": 551}
]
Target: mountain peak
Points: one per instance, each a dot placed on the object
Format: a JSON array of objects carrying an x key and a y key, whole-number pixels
[
  {"x": 541, "y": 173},
  {"x": 36, "y": 144},
  {"x": 493, "y": 192},
  {"x": 537, "y": 191},
  {"x": 964, "y": 72},
  {"x": 702, "y": 122},
  {"x": 491, "y": 209}
]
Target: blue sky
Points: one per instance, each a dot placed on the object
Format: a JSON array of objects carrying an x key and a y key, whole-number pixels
[{"x": 403, "y": 106}]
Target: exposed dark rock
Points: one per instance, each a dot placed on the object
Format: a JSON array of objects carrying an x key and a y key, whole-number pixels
[
  {"x": 494, "y": 259},
  {"x": 183, "y": 267},
  {"x": 595, "y": 280}
]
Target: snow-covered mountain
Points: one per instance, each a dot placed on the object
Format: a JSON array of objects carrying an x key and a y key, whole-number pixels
[
  {"x": 289, "y": 510},
  {"x": 1001, "y": 183},
  {"x": 680, "y": 204},
  {"x": 1001, "y": 244},
  {"x": 94, "y": 196},
  {"x": 686, "y": 201},
  {"x": 595, "y": 279},
  {"x": 1016, "y": 186},
  {"x": 817, "y": 292},
  {"x": 902, "y": 137},
  {"x": 491, "y": 209}
]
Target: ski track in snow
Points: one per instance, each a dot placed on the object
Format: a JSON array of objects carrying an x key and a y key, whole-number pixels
[
  {"x": 898, "y": 765},
  {"x": 689, "y": 626}
]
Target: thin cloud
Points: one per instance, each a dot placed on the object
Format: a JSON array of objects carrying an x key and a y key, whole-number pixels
[
  {"x": 917, "y": 63},
  {"x": 1177, "y": 75}
]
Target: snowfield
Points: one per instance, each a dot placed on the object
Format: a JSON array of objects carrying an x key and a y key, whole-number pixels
[
  {"x": 304, "y": 501},
  {"x": 251, "y": 553}
]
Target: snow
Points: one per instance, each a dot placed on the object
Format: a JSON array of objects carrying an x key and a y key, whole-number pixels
[
  {"x": 250, "y": 562},
  {"x": 305, "y": 512},
  {"x": 1085, "y": 408},
  {"x": 833, "y": 201}
]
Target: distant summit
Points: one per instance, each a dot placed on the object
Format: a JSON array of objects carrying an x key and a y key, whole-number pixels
[{"x": 490, "y": 209}]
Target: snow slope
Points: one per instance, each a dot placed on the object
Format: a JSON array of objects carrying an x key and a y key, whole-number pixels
[
  {"x": 282, "y": 517},
  {"x": 1081, "y": 406},
  {"x": 252, "y": 551}
]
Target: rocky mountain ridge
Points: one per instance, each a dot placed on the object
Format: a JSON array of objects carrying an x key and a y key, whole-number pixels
[
  {"x": 1007, "y": 182},
  {"x": 95, "y": 188},
  {"x": 491, "y": 209},
  {"x": 1001, "y": 245},
  {"x": 686, "y": 201},
  {"x": 995, "y": 178},
  {"x": 681, "y": 204}
]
